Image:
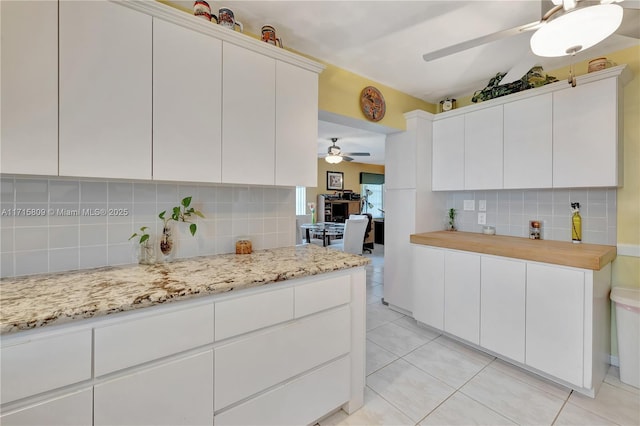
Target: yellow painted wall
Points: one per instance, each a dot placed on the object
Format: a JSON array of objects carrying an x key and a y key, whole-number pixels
[
  {"x": 351, "y": 176},
  {"x": 339, "y": 92}
]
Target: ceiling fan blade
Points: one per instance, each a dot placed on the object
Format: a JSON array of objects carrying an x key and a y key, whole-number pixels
[
  {"x": 345, "y": 158},
  {"x": 356, "y": 154},
  {"x": 469, "y": 44},
  {"x": 630, "y": 26},
  {"x": 521, "y": 67}
]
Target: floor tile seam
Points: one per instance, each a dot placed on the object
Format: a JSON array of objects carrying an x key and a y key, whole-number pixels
[
  {"x": 635, "y": 393},
  {"x": 407, "y": 328},
  {"x": 564, "y": 404},
  {"x": 599, "y": 414},
  {"x": 501, "y": 414},
  {"x": 391, "y": 403},
  {"x": 378, "y": 326},
  {"x": 435, "y": 408},
  {"x": 462, "y": 352},
  {"x": 427, "y": 373},
  {"x": 536, "y": 386}
]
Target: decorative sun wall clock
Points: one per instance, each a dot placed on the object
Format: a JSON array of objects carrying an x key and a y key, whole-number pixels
[{"x": 372, "y": 103}]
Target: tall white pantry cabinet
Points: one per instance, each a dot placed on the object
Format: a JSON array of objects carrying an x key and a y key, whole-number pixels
[
  {"x": 138, "y": 94},
  {"x": 410, "y": 205}
]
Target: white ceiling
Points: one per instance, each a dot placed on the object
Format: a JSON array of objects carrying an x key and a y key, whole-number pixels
[{"x": 385, "y": 40}]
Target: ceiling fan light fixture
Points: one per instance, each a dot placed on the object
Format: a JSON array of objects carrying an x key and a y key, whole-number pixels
[
  {"x": 576, "y": 30},
  {"x": 333, "y": 159}
]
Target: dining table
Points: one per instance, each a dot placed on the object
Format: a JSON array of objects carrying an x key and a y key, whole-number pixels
[{"x": 324, "y": 230}]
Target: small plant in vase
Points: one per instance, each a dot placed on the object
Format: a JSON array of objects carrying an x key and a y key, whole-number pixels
[
  {"x": 182, "y": 213},
  {"x": 451, "y": 226},
  {"x": 146, "y": 255}
]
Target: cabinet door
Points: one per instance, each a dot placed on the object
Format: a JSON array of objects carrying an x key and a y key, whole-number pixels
[
  {"x": 69, "y": 410},
  {"x": 555, "y": 320},
  {"x": 29, "y": 130},
  {"x": 187, "y": 103},
  {"x": 400, "y": 220},
  {"x": 400, "y": 160},
  {"x": 502, "y": 307},
  {"x": 248, "y": 122},
  {"x": 528, "y": 142},
  {"x": 462, "y": 295},
  {"x": 585, "y": 135},
  {"x": 483, "y": 144},
  {"x": 176, "y": 393},
  {"x": 105, "y": 90},
  {"x": 428, "y": 285},
  {"x": 448, "y": 154},
  {"x": 296, "y": 161}
]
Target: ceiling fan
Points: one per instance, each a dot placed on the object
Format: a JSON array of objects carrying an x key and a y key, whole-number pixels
[
  {"x": 567, "y": 28},
  {"x": 335, "y": 155}
]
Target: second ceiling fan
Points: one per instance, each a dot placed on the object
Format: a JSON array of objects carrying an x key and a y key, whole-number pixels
[{"x": 335, "y": 154}]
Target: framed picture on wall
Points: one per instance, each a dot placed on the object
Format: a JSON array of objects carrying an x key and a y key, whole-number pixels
[{"x": 335, "y": 181}]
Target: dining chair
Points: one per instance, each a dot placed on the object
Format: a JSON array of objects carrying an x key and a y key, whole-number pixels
[
  {"x": 353, "y": 236},
  {"x": 300, "y": 234}
]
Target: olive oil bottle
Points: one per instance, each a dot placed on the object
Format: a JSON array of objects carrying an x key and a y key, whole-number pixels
[{"x": 576, "y": 224}]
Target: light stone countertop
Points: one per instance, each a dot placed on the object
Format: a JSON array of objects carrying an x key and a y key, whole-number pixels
[{"x": 39, "y": 300}]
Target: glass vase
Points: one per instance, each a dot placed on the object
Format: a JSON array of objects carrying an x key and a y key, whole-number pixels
[
  {"x": 167, "y": 243},
  {"x": 146, "y": 253}
]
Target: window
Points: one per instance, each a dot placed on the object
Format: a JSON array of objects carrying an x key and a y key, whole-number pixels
[
  {"x": 301, "y": 200},
  {"x": 373, "y": 199}
]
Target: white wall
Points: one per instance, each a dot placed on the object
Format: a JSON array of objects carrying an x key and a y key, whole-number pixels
[
  {"x": 511, "y": 210},
  {"x": 53, "y": 242}
]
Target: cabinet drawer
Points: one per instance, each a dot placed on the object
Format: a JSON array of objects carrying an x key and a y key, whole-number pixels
[
  {"x": 144, "y": 339},
  {"x": 321, "y": 295},
  {"x": 298, "y": 402},
  {"x": 248, "y": 313},
  {"x": 176, "y": 393},
  {"x": 44, "y": 363},
  {"x": 248, "y": 366},
  {"x": 69, "y": 410}
]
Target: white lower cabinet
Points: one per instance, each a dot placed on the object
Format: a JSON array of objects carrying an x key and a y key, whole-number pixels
[
  {"x": 68, "y": 410},
  {"x": 502, "y": 299},
  {"x": 36, "y": 364},
  {"x": 304, "y": 344},
  {"x": 298, "y": 357},
  {"x": 428, "y": 288},
  {"x": 174, "y": 393},
  {"x": 290, "y": 404},
  {"x": 462, "y": 295},
  {"x": 555, "y": 321}
]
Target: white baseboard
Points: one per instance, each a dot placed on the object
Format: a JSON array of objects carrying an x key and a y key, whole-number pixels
[
  {"x": 613, "y": 360},
  {"x": 632, "y": 250}
]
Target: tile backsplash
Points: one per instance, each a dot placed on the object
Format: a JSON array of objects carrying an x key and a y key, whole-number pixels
[
  {"x": 511, "y": 210},
  {"x": 46, "y": 226}
]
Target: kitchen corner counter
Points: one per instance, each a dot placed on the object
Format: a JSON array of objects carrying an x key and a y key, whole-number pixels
[
  {"x": 38, "y": 300},
  {"x": 585, "y": 256}
]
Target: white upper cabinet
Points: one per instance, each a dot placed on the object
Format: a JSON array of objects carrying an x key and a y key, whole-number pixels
[
  {"x": 248, "y": 122},
  {"x": 586, "y": 144},
  {"x": 553, "y": 136},
  {"x": 296, "y": 162},
  {"x": 105, "y": 91},
  {"x": 483, "y": 149},
  {"x": 528, "y": 140},
  {"x": 29, "y": 131},
  {"x": 448, "y": 154},
  {"x": 187, "y": 104}
]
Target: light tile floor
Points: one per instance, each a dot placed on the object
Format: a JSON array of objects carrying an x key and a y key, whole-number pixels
[{"x": 417, "y": 377}]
